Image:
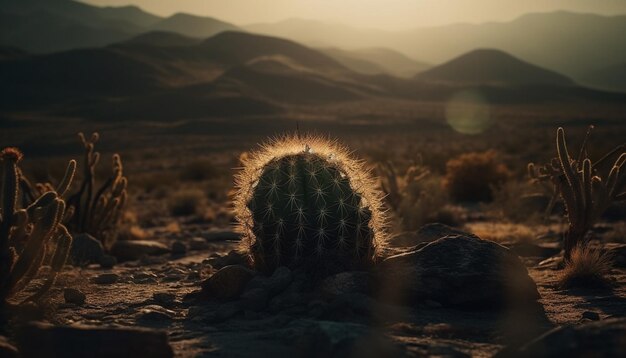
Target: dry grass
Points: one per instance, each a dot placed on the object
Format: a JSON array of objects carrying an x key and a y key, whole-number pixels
[{"x": 588, "y": 267}]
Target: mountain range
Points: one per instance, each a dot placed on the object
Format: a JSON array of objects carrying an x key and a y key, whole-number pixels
[
  {"x": 161, "y": 75},
  {"x": 585, "y": 47}
]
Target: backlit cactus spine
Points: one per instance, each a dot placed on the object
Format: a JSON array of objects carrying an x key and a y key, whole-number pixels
[
  {"x": 26, "y": 235},
  {"x": 304, "y": 200}
]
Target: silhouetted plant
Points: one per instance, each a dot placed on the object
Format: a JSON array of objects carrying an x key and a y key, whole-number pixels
[
  {"x": 98, "y": 210},
  {"x": 304, "y": 200},
  {"x": 473, "y": 176},
  {"x": 30, "y": 235},
  {"x": 585, "y": 191}
]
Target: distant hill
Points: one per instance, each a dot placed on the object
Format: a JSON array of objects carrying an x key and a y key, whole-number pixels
[
  {"x": 610, "y": 78},
  {"x": 162, "y": 39},
  {"x": 376, "y": 61},
  {"x": 551, "y": 40},
  {"x": 492, "y": 67},
  {"x": 57, "y": 25},
  {"x": 193, "y": 26}
]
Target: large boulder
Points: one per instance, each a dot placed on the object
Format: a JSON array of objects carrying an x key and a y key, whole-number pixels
[
  {"x": 456, "y": 270},
  {"x": 44, "y": 340},
  {"x": 426, "y": 234},
  {"x": 595, "y": 339}
]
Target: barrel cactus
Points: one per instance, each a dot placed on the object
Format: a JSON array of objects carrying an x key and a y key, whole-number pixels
[{"x": 304, "y": 201}]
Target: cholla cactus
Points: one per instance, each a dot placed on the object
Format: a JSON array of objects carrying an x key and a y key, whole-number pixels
[
  {"x": 304, "y": 200},
  {"x": 98, "y": 211},
  {"x": 586, "y": 194},
  {"x": 396, "y": 186},
  {"x": 27, "y": 234}
]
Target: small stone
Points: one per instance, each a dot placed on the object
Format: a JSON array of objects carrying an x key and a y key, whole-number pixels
[
  {"x": 179, "y": 248},
  {"x": 126, "y": 250},
  {"x": 227, "y": 283},
  {"x": 280, "y": 279},
  {"x": 85, "y": 250},
  {"x": 74, "y": 296},
  {"x": 591, "y": 315},
  {"x": 144, "y": 277},
  {"x": 107, "y": 261},
  {"x": 198, "y": 243},
  {"x": 165, "y": 298},
  {"x": 155, "y": 314},
  {"x": 346, "y": 283},
  {"x": 232, "y": 258},
  {"x": 106, "y": 279}
]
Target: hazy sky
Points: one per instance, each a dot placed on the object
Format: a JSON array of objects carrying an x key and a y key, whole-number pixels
[{"x": 383, "y": 14}]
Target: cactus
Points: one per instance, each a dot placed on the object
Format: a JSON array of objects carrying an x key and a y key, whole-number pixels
[
  {"x": 98, "y": 211},
  {"x": 27, "y": 234},
  {"x": 303, "y": 201},
  {"x": 396, "y": 187},
  {"x": 584, "y": 191}
]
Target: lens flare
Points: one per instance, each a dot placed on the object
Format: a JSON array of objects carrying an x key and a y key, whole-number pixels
[{"x": 468, "y": 112}]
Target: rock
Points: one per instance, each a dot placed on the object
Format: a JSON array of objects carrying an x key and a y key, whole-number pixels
[
  {"x": 36, "y": 340},
  {"x": 179, "y": 248},
  {"x": 106, "y": 279},
  {"x": 198, "y": 243},
  {"x": 153, "y": 314},
  {"x": 594, "y": 339},
  {"x": 617, "y": 253},
  {"x": 457, "y": 270},
  {"x": 280, "y": 279},
  {"x": 591, "y": 315},
  {"x": 143, "y": 277},
  {"x": 74, "y": 296},
  {"x": 107, "y": 261},
  {"x": 86, "y": 250},
  {"x": 6, "y": 349},
  {"x": 427, "y": 233},
  {"x": 227, "y": 283},
  {"x": 164, "y": 298},
  {"x": 220, "y": 235},
  {"x": 232, "y": 258},
  {"x": 255, "y": 299},
  {"x": 343, "y": 339},
  {"x": 126, "y": 250},
  {"x": 346, "y": 283}
]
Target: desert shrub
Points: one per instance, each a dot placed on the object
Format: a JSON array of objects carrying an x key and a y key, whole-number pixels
[
  {"x": 473, "y": 176},
  {"x": 587, "y": 266},
  {"x": 198, "y": 170},
  {"x": 424, "y": 202},
  {"x": 185, "y": 202}
]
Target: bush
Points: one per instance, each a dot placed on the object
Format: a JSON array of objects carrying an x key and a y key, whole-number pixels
[
  {"x": 473, "y": 176},
  {"x": 587, "y": 267},
  {"x": 186, "y": 202},
  {"x": 198, "y": 170},
  {"x": 424, "y": 202}
]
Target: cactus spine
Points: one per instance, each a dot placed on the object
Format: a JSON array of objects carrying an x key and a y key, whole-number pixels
[
  {"x": 585, "y": 193},
  {"x": 27, "y": 234},
  {"x": 305, "y": 201}
]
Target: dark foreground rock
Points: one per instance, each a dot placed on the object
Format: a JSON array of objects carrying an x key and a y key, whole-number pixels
[
  {"x": 457, "y": 270},
  {"x": 126, "y": 250},
  {"x": 43, "y": 340},
  {"x": 596, "y": 339}
]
